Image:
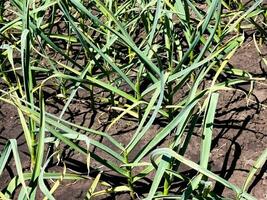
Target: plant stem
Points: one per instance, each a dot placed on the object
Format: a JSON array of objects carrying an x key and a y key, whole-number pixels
[
  {"x": 130, "y": 178},
  {"x": 1, "y": 11}
]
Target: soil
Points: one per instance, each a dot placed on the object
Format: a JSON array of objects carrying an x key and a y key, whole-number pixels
[{"x": 240, "y": 128}]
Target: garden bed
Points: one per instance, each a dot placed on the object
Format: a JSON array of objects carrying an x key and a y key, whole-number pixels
[{"x": 79, "y": 86}]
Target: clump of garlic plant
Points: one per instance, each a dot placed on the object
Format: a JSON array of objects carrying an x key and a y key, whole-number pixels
[{"x": 156, "y": 49}]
